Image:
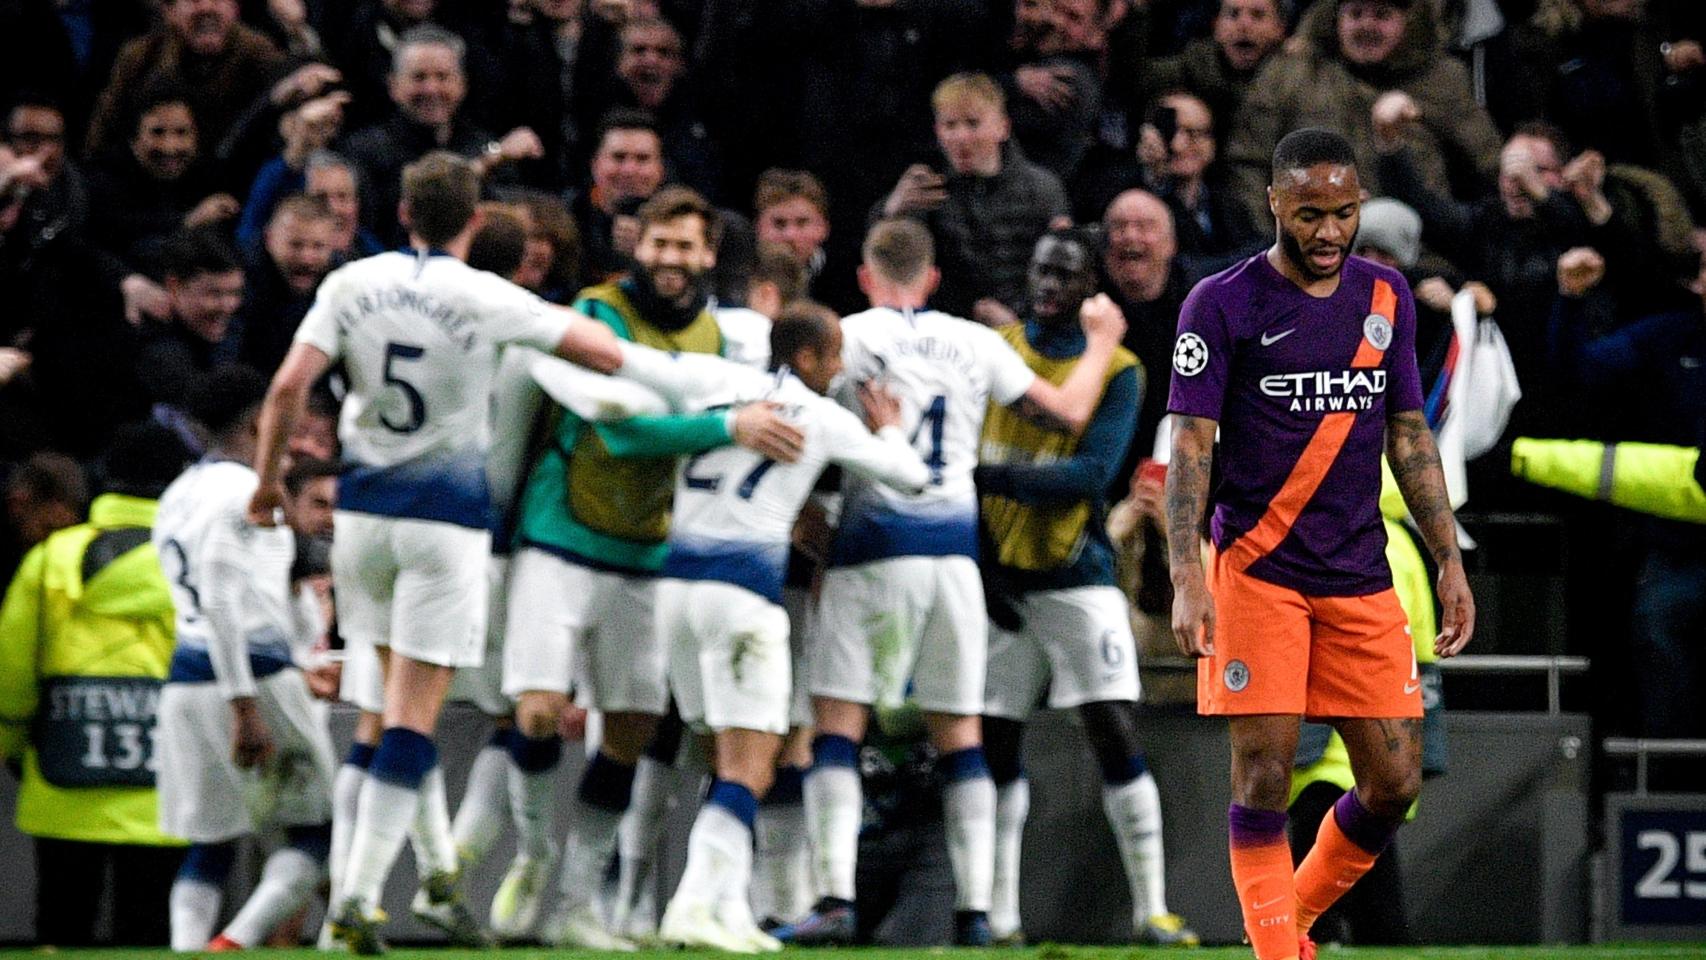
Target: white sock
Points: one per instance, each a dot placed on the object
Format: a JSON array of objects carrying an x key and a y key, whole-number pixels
[
  {"x": 287, "y": 880},
  {"x": 531, "y": 796},
  {"x": 1134, "y": 811},
  {"x": 481, "y": 815},
  {"x": 968, "y": 812},
  {"x": 384, "y": 817},
  {"x": 346, "y": 792},
  {"x": 781, "y": 867},
  {"x": 591, "y": 843},
  {"x": 835, "y": 806},
  {"x": 637, "y": 840},
  {"x": 434, "y": 843},
  {"x": 719, "y": 856},
  {"x": 1012, "y": 806},
  {"x": 194, "y": 908}
]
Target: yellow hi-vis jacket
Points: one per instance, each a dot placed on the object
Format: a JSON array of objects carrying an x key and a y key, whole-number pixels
[
  {"x": 1648, "y": 478},
  {"x": 86, "y": 636}
]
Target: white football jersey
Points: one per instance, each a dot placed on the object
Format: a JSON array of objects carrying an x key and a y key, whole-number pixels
[
  {"x": 735, "y": 509},
  {"x": 746, "y": 336},
  {"x": 419, "y": 336},
  {"x": 230, "y": 580},
  {"x": 946, "y": 371}
]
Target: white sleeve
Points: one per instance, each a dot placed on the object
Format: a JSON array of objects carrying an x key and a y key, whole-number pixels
[
  {"x": 689, "y": 381},
  {"x": 885, "y": 457},
  {"x": 1009, "y": 377},
  {"x": 515, "y": 404},
  {"x": 518, "y": 315},
  {"x": 593, "y": 396},
  {"x": 226, "y": 562},
  {"x": 319, "y": 327}
]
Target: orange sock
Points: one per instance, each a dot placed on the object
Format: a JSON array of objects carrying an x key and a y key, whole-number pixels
[
  {"x": 1332, "y": 867},
  {"x": 1261, "y": 870}
]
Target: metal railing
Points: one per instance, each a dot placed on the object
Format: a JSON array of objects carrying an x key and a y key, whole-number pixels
[
  {"x": 1641, "y": 749},
  {"x": 1555, "y": 669}
]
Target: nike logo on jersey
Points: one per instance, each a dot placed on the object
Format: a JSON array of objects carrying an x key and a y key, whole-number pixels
[
  {"x": 1270, "y": 340},
  {"x": 1410, "y": 688}
]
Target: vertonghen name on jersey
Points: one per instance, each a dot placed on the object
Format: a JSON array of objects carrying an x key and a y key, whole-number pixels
[
  {"x": 457, "y": 327},
  {"x": 1327, "y": 391}
]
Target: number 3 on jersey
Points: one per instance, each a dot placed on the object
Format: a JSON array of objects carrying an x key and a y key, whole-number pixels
[
  {"x": 935, "y": 415},
  {"x": 395, "y": 352}
]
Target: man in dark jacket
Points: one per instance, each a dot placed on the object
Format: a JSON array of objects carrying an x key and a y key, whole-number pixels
[
  {"x": 987, "y": 211},
  {"x": 1219, "y": 70},
  {"x": 279, "y": 281}
]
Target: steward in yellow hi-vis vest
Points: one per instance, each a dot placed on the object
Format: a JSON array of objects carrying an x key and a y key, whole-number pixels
[
  {"x": 1060, "y": 628},
  {"x": 86, "y": 636},
  {"x": 1648, "y": 478}
]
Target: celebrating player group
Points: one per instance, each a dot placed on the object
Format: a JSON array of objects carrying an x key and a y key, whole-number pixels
[{"x": 899, "y": 510}]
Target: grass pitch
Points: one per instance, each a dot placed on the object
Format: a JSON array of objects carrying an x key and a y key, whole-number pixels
[{"x": 1679, "y": 951}]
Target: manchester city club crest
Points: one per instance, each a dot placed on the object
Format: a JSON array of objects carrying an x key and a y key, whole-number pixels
[
  {"x": 1378, "y": 330},
  {"x": 1237, "y": 676},
  {"x": 1190, "y": 355}
]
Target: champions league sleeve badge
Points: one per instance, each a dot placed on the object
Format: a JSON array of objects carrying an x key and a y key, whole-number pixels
[
  {"x": 1190, "y": 355},
  {"x": 1378, "y": 331}
]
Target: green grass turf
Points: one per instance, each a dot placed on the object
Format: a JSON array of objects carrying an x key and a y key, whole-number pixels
[{"x": 1045, "y": 952}]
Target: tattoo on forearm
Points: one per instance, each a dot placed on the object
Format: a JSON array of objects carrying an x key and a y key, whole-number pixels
[
  {"x": 1187, "y": 496},
  {"x": 1415, "y": 463}
]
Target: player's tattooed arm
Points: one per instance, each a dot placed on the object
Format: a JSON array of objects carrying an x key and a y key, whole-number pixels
[
  {"x": 1187, "y": 499},
  {"x": 1415, "y": 463}
]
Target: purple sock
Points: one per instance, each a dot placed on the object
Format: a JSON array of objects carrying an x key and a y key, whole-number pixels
[
  {"x": 1250, "y": 827},
  {"x": 1362, "y": 826}
]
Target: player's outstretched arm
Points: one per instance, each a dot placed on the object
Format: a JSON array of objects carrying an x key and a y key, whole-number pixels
[
  {"x": 1071, "y": 405},
  {"x": 1187, "y": 498},
  {"x": 1415, "y": 464},
  {"x": 590, "y": 344},
  {"x": 286, "y": 399}
]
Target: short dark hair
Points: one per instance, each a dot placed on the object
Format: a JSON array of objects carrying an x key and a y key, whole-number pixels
[
  {"x": 1087, "y": 238},
  {"x": 625, "y": 118},
  {"x": 900, "y": 249},
  {"x": 1302, "y": 149},
  {"x": 156, "y": 95},
  {"x": 223, "y": 398},
  {"x": 442, "y": 190},
  {"x": 191, "y": 253},
  {"x": 49, "y": 477},
  {"x": 1549, "y": 132},
  {"x": 500, "y": 243},
  {"x": 802, "y": 325},
  {"x": 143, "y": 459},
  {"x": 674, "y": 202},
  {"x": 775, "y": 263},
  {"x": 305, "y": 469}
]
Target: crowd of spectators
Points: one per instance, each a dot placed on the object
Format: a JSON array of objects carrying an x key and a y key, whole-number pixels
[{"x": 177, "y": 176}]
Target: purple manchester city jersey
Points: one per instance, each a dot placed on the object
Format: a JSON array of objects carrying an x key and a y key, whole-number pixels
[{"x": 1301, "y": 387}]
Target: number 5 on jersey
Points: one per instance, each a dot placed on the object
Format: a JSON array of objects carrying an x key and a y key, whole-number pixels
[{"x": 395, "y": 353}]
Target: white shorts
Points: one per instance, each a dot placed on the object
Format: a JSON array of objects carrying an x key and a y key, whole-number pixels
[
  {"x": 483, "y": 685},
  {"x": 729, "y": 662},
  {"x": 205, "y": 797},
  {"x": 888, "y": 622},
  {"x": 416, "y": 586},
  {"x": 571, "y": 627},
  {"x": 362, "y": 683},
  {"x": 802, "y": 620},
  {"x": 1076, "y": 644}
]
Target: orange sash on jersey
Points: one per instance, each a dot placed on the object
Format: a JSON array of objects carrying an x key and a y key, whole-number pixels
[{"x": 1317, "y": 458}]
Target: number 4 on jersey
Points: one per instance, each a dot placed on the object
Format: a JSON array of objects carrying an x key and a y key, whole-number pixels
[{"x": 936, "y": 415}]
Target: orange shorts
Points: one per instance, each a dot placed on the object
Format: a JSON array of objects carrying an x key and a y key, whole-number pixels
[{"x": 1278, "y": 651}]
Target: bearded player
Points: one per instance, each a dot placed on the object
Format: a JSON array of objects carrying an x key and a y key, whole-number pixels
[{"x": 1303, "y": 357}]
